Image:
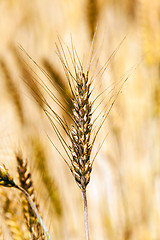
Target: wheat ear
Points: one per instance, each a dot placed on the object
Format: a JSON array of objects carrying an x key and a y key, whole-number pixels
[
  {"x": 26, "y": 183},
  {"x": 82, "y": 134},
  {"x": 79, "y": 134},
  {"x": 80, "y": 138},
  {"x": 7, "y": 181}
]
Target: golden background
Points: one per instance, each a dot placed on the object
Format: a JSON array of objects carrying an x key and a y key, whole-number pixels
[{"x": 124, "y": 191}]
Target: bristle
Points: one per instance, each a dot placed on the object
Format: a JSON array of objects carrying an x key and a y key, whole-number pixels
[
  {"x": 26, "y": 183},
  {"x": 57, "y": 80}
]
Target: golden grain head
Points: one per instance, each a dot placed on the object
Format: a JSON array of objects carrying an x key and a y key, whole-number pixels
[{"x": 81, "y": 131}]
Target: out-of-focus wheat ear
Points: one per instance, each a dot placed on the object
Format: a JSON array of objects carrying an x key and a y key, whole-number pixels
[
  {"x": 12, "y": 90},
  {"x": 7, "y": 181},
  {"x": 9, "y": 216},
  {"x": 127, "y": 232},
  {"x": 28, "y": 77},
  {"x": 12, "y": 220},
  {"x": 49, "y": 182},
  {"x": 26, "y": 183},
  {"x": 57, "y": 80},
  {"x": 92, "y": 16}
]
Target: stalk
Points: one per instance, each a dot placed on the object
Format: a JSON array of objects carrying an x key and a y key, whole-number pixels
[
  {"x": 32, "y": 205},
  {"x": 85, "y": 214}
]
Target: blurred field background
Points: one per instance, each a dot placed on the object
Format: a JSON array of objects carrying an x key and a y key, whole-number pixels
[{"x": 124, "y": 191}]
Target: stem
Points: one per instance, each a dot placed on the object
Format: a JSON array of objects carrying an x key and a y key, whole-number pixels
[
  {"x": 85, "y": 213},
  {"x": 32, "y": 205}
]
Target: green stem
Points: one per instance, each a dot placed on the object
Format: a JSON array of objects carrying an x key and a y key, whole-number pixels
[
  {"x": 85, "y": 213},
  {"x": 32, "y": 205}
]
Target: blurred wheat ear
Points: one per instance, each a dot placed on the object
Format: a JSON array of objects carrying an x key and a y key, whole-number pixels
[
  {"x": 26, "y": 183},
  {"x": 27, "y": 75},
  {"x": 12, "y": 89},
  {"x": 7, "y": 180},
  {"x": 51, "y": 187},
  {"x": 9, "y": 212}
]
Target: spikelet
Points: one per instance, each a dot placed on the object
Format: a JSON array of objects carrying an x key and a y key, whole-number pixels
[
  {"x": 12, "y": 90},
  {"x": 47, "y": 180},
  {"x": 26, "y": 183}
]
